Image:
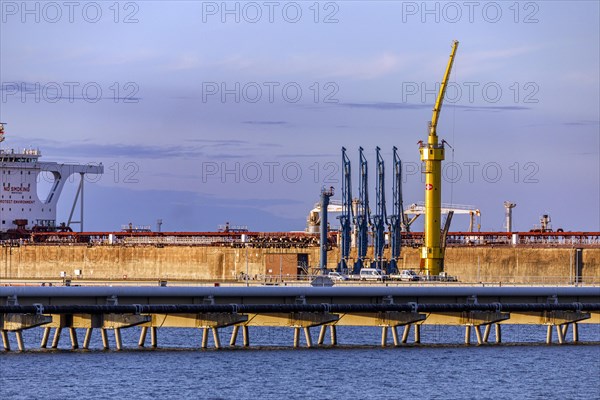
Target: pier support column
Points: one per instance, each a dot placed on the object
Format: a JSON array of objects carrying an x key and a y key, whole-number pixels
[
  {"x": 322, "y": 333},
  {"x": 73, "y": 336},
  {"x": 498, "y": 333},
  {"x": 45, "y": 337},
  {"x": 384, "y": 331},
  {"x": 204, "y": 344},
  {"x": 405, "y": 333},
  {"x": 307, "y": 336},
  {"x": 478, "y": 334},
  {"x": 296, "y": 337},
  {"x": 417, "y": 334},
  {"x": 246, "y": 336},
  {"x": 87, "y": 338},
  {"x": 549, "y": 334},
  {"x": 565, "y": 330},
  {"x": 20, "y": 345},
  {"x": 57, "y": 333},
  {"x": 5, "y": 341},
  {"x": 118, "y": 341},
  {"x": 153, "y": 337},
  {"x": 467, "y": 334},
  {"x": 143, "y": 334},
  {"x": 486, "y": 333},
  {"x": 234, "y": 335},
  {"x": 395, "y": 336},
  {"x": 104, "y": 339},
  {"x": 559, "y": 333},
  {"x": 575, "y": 332},
  {"x": 215, "y": 333},
  {"x": 333, "y": 331}
]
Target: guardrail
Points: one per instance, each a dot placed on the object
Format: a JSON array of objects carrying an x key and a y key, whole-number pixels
[
  {"x": 305, "y": 280},
  {"x": 300, "y": 239}
]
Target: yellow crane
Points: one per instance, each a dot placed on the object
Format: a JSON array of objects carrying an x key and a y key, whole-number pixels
[{"x": 432, "y": 155}]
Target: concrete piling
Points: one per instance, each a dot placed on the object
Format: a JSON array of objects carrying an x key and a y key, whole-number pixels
[
  {"x": 5, "y": 341},
  {"x": 417, "y": 333},
  {"x": 143, "y": 334},
  {"x": 19, "y": 336},
  {"x": 73, "y": 336},
  {"x": 333, "y": 331},
  {"x": 246, "y": 336},
  {"x": 467, "y": 334},
  {"x": 234, "y": 335},
  {"x": 153, "y": 337},
  {"x": 56, "y": 338},
  {"x": 87, "y": 338},
  {"x": 45, "y": 337},
  {"x": 104, "y": 336}
]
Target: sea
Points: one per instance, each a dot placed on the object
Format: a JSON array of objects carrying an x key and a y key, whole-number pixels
[{"x": 441, "y": 367}]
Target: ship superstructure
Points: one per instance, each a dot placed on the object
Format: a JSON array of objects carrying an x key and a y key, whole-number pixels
[{"x": 20, "y": 172}]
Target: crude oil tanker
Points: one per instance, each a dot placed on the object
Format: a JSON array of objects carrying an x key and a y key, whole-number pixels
[{"x": 35, "y": 247}]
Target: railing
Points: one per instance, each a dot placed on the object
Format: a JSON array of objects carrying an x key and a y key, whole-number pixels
[
  {"x": 305, "y": 280},
  {"x": 299, "y": 239}
]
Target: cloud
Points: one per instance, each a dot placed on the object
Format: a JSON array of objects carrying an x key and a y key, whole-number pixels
[
  {"x": 119, "y": 150},
  {"x": 386, "y": 106},
  {"x": 232, "y": 143},
  {"x": 581, "y": 123},
  {"x": 299, "y": 155},
  {"x": 568, "y": 123},
  {"x": 265, "y": 122}
]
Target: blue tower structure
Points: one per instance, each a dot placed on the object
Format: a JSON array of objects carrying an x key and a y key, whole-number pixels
[
  {"x": 397, "y": 219},
  {"x": 380, "y": 217},
  {"x": 362, "y": 218},
  {"x": 346, "y": 216}
]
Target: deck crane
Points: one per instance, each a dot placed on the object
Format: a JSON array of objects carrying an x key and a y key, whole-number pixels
[
  {"x": 432, "y": 155},
  {"x": 346, "y": 217},
  {"x": 397, "y": 219},
  {"x": 380, "y": 217},
  {"x": 362, "y": 216}
]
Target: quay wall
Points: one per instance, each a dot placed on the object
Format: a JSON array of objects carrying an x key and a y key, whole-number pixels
[{"x": 518, "y": 264}]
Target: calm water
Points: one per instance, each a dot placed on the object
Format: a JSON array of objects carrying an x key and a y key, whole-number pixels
[{"x": 442, "y": 368}]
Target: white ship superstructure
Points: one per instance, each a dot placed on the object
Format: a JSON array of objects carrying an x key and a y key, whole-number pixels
[{"x": 20, "y": 171}]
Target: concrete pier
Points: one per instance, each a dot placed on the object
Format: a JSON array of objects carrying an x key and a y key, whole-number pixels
[{"x": 211, "y": 309}]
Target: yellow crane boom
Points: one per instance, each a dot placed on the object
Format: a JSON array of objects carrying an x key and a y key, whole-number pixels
[
  {"x": 432, "y": 155},
  {"x": 437, "y": 109}
]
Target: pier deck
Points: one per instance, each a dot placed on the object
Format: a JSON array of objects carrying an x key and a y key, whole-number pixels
[{"x": 300, "y": 308}]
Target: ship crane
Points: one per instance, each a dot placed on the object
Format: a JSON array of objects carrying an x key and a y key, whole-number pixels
[
  {"x": 380, "y": 217},
  {"x": 418, "y": 209},
  {"x": 2, "y": 131},
  {"x": 362, "y": 217},
  {"x": 346, "y": 217},
  {"x": 397, "y": 219},
  {"x": 432, "y": 155}
]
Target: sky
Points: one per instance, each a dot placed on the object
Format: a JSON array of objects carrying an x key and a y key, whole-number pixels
[{"x": 210, "y": 112}]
